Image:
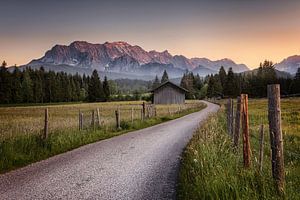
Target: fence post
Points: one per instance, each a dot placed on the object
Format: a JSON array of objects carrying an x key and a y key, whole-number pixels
[
  {"x": 79, "y": 119},
  {"x": 132, "y": 114},
  {"x": 261, "y": 147},
  {"x": 117, "y": 112},
  {"x": 93, "y": 119},
  {"x": 230, "y": 116},
  {"x": 276, "y": 140},
  {"x": 46, "y": 127},
  {"x": 245, "y": 125},
  {"x": 155, "y": 111},
  {"x": 237, "y": 123},
  {"x": 98, "y": 116},
  {"x": 144, "y": 110}
]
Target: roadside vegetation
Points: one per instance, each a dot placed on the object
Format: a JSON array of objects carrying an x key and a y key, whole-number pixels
[
  {"x": 21, "y": 142},
  {"x": 212, "y": 170}
]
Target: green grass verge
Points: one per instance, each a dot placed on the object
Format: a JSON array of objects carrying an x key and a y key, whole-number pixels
[
  {"x": 23, "y": 150},
  {"x": 212, "y": 170}
]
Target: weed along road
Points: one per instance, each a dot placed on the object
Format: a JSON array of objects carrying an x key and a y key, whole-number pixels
[{"x": 139, "y": 165}]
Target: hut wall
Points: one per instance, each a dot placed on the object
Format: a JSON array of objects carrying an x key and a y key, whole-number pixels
[{"x": 169, "y": 95}]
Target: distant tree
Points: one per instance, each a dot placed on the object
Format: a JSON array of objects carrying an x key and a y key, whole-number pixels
[
  {"x": 223, "y": 77},
  {"x": 156, "y": 82},
  {"x": 113, "y": 88},
  {"x": 16, "y": 87},
  {"x": 5, "y": 84},
  {"x": 187, "y": 82},
  {"x": 26, "y": 87},
  {"x": 4, "y": 64},
  {"x": 295, "y": 85},
  {"x": 231, "y": 87},
  {"x": 164, "y": 77},
  {"x": 214, "y": 87},
  {"x": 95, "y": 88},
  {"x": 106, "y": 89}
]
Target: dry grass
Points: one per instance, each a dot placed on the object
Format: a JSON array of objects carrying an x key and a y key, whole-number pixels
[{"x": 15, "y": 121}]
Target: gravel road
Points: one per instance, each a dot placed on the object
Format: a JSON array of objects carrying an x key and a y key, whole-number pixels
[{"x": 139, "y": 165}]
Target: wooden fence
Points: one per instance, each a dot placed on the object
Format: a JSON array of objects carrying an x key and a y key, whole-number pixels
[
  {"x": 93, "y": 119},
  {"x": 276, "y": 141}
]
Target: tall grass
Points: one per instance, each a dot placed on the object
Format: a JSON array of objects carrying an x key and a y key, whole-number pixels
[
  {"x": 23, "y": 149},
  {"x": 212, "y": 170}
]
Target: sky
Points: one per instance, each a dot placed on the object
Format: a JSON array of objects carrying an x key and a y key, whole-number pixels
[{"x": 246, "y": 31}]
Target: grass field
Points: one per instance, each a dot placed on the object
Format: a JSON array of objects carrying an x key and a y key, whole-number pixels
[
  {"x": 212, "y": 170},
  {"x": 21, "y": 127}
]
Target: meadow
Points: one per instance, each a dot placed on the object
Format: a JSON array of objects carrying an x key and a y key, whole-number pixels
[
  {"x": 211, "y": 169},
  {"x": 21, "y": 128}
]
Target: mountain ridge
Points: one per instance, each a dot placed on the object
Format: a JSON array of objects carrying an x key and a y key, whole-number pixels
[{"x": 122, "y": 57}]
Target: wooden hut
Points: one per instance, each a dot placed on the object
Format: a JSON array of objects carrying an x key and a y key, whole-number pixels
[{"x": 169, "y": 93}]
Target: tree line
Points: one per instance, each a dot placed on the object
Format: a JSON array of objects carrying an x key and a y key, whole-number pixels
[
  {"x": 252, "y": 83},
  {"x": 230, "y": 84},
  {"x": 40, "y": 86}
]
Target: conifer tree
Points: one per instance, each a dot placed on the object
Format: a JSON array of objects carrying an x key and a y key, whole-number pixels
[
  {"x": 106, "y": 89},
  {"x": 156, "y": 82},
  {"x": 164, "y": 77},
  {"x": 94, "y": 88},
  {"x": 26, "y": 87},
  {"x": 223, "y": 77}
]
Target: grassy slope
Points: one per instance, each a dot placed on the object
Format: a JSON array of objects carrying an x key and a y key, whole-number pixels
[
  {"x": 211, "y": 170},
  {"x": 22, "y": 150}
]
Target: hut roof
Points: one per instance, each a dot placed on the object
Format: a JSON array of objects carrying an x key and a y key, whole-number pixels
[{"x": 172, "y": 84}]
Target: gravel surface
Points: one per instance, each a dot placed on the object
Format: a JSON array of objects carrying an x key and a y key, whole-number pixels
[{"x": 138, "y": 165}]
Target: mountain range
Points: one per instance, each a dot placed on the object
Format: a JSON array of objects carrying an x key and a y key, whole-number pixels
[{"x": 122, "y": 60}]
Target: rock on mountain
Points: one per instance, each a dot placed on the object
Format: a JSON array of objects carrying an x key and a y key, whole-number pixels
[
  {"x": 121, "y": 57},
  {"x": 290, "y": 64}
]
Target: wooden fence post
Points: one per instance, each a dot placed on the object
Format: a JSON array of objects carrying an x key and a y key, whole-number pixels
[
  {"x": 132, "y": 114},
  {"x": 79, "y": 120},
  {"x": 230, "y": 116},
  {"x": 245, "y": 125},
  {"x": 118, "y": 125},
  {"x": 155, "y": 111},
  {"x": 276, "y": 140},
  {"x": 237, "y": 123},
  {"x": 144, "y": 110},
  {"x": 98, "y": 117},
  {"x": 93, "y": 119},
  {"x": 46, "y": 127},
  {"x": 261, "y": 147}
]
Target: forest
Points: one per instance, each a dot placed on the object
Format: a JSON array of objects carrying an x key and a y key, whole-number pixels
[
  {"x": 40, "y": 86},
  {"x": 230, "y": 84}
]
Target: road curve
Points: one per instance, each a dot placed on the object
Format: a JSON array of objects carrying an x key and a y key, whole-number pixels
[{"x": 139, "y": 165}]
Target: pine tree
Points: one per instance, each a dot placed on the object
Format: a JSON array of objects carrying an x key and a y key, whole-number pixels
[
  {"x": 4, "y": 64},
  {"x": 164, "y": 77},
  {"x": 94, "y": 88},
  {"x": 16, "y": 87},
  {"x": 5, "y": 84},
  {"x": 223, "y": 77},
  {"x": 156, "y": 82},
  {"x": 106, "y": 89},
  {"x": 295, "y": 85},
  {"x": 26, "y": 86},
  {"x": 231, "y": 87}
]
